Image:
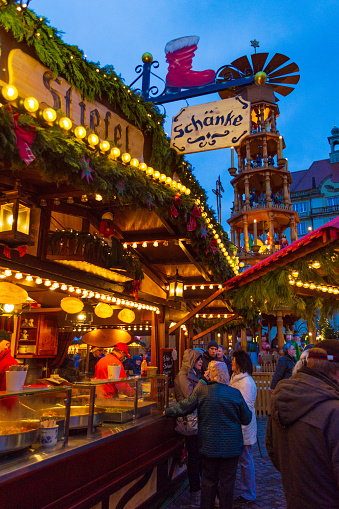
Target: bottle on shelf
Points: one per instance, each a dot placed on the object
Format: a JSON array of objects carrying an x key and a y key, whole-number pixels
[{"x": 143, "y": 370}]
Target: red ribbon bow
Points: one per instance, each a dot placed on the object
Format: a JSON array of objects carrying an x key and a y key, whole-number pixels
[
  {"x": 24, "y": 139},
  {"x": 196, "y": 212},
  {"x": 173, "y": 211},
  {"x": 214, "y": 245},
  {"x": 22, "y": 250},
  {"x": 7, "y": 252},
  {"x": 135, "y": 288}
]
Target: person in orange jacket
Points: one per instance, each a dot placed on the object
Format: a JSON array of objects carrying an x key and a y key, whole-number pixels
[
  {"x": 6, "y": 359},
  {"x": 120, "y": 352}
]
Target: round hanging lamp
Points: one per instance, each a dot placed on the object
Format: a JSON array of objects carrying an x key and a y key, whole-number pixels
[
  {"x": 71, "y": 305},
  {"x": 12, "y": 294},
  {"x": 103, "y": 310}
]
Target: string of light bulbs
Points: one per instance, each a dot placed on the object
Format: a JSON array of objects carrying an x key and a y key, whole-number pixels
[{"x": 77, "y": 291}]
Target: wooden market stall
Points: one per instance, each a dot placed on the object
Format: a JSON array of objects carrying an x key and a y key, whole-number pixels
[{"x": 94, "y": 206}]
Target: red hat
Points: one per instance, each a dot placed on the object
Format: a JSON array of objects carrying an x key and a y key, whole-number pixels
[{"x": 123, "y": 347}]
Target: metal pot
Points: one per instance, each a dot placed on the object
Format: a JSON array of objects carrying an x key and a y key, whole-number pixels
[
  {"x": 17, "y": 441},
  {"x": 79, "y": 416}
]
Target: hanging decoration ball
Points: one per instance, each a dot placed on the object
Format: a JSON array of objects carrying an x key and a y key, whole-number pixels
[
  {"x": 147, "y": 58},
  {"x": 103, "y": 310},
  {"x": 49, "y": 115},
  {"x": 126, "y": 315},
  {"x": 71, "y": 305},
  {"x": 12, "y": 294},
  {"x": 65, "y": 123},
  {"x": 104, "y": 146},
  {"x": 93, "y": 139},
  {"x": 9, "y": 92},
  {"x": 80, "y": 132},
  {"x": 31, "y": 104},
  {"x": 260, "y": 78}
]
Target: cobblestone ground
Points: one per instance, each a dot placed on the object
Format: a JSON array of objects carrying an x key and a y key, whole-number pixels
[{"x": 269, "y": 490}]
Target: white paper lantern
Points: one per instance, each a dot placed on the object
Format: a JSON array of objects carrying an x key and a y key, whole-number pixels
[
  {"x": 126, "y": 315},
  {"x": 71, "y": 305},
  {"x": 103, "y": 310}
]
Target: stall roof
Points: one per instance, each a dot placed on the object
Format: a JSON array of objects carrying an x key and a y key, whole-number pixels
[{"x": 311, "y": 242}]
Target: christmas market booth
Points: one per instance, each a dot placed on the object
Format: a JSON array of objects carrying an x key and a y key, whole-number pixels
[{"x": 105, "y": 235}]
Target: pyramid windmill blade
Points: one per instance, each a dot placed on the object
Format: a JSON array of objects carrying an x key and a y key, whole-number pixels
[
  {"x": 279, "y": 89},
  {"x": 258, "y": 61},
  {"x": 290, "y": 80},
  {"x": 288, "y": 69},
  {"x": 242, "y": 64},
  {"x": 276, "y": 62}
]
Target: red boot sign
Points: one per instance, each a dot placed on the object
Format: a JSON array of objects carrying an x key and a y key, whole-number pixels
[{"x": 179, "y": 55}]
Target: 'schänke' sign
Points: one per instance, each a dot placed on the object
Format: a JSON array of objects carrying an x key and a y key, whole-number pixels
[{"x": 210, "y": 126}]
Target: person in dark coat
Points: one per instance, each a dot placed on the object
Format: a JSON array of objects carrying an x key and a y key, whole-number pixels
[
  {"x": 94, "y": 356},
  {"x": 285, "y": 365},
  {"x": 184, "y": 383},
  {"x": 210, "y": 355},
  {"x": 302, "y": 434},
  {"x": 221, "y": 412},
  {"x": 137, "y": 359}
]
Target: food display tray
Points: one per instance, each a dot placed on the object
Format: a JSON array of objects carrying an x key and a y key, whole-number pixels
[{"x": 122, "y": 412}]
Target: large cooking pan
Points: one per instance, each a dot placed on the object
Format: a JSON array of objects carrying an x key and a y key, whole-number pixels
[
  {"x": 79, "y": 415},
  {"x": 15, "y": 441}
]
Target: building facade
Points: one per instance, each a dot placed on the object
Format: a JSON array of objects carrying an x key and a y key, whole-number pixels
[{"x": 315, "y": 191}]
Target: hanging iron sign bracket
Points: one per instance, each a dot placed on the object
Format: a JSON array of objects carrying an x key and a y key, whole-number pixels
[{"x": 168, "y": 95}]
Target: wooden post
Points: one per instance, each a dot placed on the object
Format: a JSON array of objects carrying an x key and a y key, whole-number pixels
[
  {"x": 247, "y": 191},
  {"x": 154, "y": 353},
  {"x": 268, "y": 189},
  {"x": 246, "y": 239},
  {"x": 280, "y": 329},
  {"x": 244, "y": 340},
  {"x": 234, "y": 338}
]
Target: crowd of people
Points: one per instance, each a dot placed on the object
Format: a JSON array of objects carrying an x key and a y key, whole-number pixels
[{"x": 215, "y": 413}]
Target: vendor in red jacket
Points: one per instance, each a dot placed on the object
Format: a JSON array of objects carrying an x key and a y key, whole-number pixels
[
  {"x": 120, "y": 352},
  {"x": 6, "y": 359}
]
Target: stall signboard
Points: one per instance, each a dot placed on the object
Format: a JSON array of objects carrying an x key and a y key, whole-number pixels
[
  {"x": 211, "y": 126},
  {"x": 167, "y": 364},
  {"x": 32, "y": 79}
]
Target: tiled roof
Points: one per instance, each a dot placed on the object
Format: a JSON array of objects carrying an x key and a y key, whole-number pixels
[
  {"x": 329, "y": 232},
  {"x": 303, "y": 180}
]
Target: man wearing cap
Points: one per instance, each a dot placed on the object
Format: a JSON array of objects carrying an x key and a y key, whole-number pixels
[
  {"x": 6, "y": 359},
  {"x": 302, "y": 434},
  {"x": 210, "y": 355},
  {"x": 120, "y": 352}
]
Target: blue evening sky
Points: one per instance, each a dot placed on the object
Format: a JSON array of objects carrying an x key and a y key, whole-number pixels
[{"x": 118, "y": 33}]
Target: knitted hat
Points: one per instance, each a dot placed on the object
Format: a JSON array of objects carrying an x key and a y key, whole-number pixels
[
  {"x": 212, "y": 343},
  {"x": 4, "y": 335},
  {"x": 332, "y": 349},
  {"x": 122, "y": 347}
]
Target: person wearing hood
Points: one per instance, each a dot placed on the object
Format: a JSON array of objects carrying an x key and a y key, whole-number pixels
[
  {"x": 6, "y": 358},
  {"x": 302, "y": 434},
  {"x": 137, "y": 359},
  {"x": 185, "y": 382},
  {"x": 285, "y": 365},
  {"x": 221, "y": 412}
]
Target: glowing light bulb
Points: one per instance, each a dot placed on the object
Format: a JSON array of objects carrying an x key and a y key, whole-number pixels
[
  {"x": 115, "y": 152},
  {"x": 156, "y": 243},
  {"x": 134, "y": 162},
  {"x": 9, "y": 92},
  {"x": 143, "y": 166},
  {"x": 49, "y": 115},
  {"x": 38, "y": 280},
  {"x": 31, "y": 104},
  {"x": 65, "y": 123},
  {"x": 126, "y": 158},
  {"x": 8, "y": 308},
  {"x": 104, "y": 146},
  {"x": 144, "y": 244},
  {"x": 80, "y": 132},
  {"x": 93, "y": 139},
  {"x": 98, "y": 197}
]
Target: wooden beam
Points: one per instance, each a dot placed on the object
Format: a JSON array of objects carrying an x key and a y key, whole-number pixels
[
  {"x": 216, "y": 326},
  {"x": 203, "y": 272},
  {"x": 196, "y": 310}
]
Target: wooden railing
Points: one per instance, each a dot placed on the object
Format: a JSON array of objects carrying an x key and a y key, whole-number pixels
[
  {"x": 268, "y": 367},
  {"x": 263, "y": 401}
]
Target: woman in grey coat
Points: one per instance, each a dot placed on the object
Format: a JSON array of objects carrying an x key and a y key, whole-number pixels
[{"x": 185, "y": 382}]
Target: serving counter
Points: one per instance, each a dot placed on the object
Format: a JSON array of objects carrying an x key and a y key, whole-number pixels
[{"x": 117, "y": 465}]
